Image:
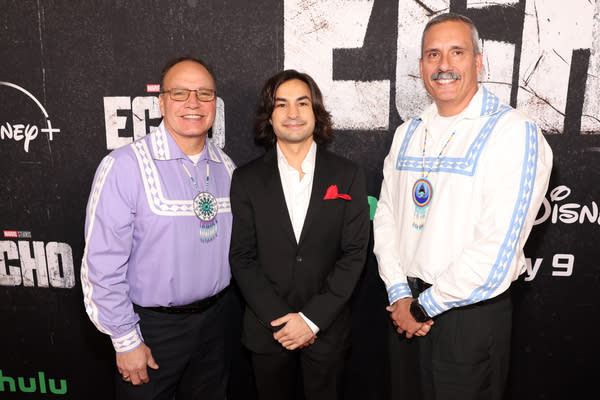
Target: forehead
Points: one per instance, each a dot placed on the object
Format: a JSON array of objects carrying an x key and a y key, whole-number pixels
[
  {"x": 448, "y": 33},
  {"x": 189, "y": 73},
  {"x": 292, "y": 89}
]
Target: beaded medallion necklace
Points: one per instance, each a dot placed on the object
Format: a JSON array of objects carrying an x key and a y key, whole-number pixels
[
  {"x": 422, "y": 191},
  {"x": 205, "y": 207}
]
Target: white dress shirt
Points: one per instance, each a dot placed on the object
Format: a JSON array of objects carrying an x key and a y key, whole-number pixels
[{"x": 297, "y": 193}]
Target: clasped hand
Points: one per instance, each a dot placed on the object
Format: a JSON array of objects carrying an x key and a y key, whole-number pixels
[
  {"x": 295, "y": 334},
  {"x": 405, "y": 322}
]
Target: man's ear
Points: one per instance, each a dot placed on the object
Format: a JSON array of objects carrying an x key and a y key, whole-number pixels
[{"x": 161, "y": 104}]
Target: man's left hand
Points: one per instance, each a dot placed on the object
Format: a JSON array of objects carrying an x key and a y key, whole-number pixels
[
  {"x": 295, "y": 334},
  {"x": 405, "y": 322}
]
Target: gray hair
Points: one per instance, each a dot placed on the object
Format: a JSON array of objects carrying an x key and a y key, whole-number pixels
[{"x": 454, "y": 17}]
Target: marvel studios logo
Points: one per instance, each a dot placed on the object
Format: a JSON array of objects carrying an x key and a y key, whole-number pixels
[
  {"x": 17, "y": 234},
  {"x": 152, "y": 88}
]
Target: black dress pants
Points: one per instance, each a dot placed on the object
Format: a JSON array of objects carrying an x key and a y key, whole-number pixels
[
  {"x": 193, "y": 353},
  {"x": 289, "y": 374},
  {"x": 465, "y": 355}
]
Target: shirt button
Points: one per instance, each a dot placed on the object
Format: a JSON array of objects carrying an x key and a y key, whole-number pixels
[{"x": 298, "y": 259}]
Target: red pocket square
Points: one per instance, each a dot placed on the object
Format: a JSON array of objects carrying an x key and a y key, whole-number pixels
[{"x": 332, "y": 193}]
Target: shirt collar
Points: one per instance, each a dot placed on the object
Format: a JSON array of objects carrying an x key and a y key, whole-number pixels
[
  {"x": 164, "y": 146},
  {"x": 308, "y": 165},
  {"x": 483, "y": 103}
]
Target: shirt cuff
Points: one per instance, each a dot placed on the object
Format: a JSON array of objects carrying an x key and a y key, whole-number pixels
[
  {"x": 398, "y": 291},
  {"x": 429, "y": 304},
  {"x": 128, "y": 342},
  {"x": 310, "y": 324}
]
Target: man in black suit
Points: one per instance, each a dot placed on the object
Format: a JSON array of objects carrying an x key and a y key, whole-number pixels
[{"x": 298, "y": 245}]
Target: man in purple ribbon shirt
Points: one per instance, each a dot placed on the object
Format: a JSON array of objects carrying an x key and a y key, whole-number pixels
[
  {"x": 298, "y": 245},
  {"x": 155, "y": 269}
]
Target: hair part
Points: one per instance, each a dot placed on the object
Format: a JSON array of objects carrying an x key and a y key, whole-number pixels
[
  {"x": 174, "y": 61},
  {"x": 454, "y": 17},
  {"x": 263, "y": 130}
]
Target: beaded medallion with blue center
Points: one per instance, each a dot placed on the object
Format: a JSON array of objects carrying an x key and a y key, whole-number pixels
[
  {"x": 422, "y": 191},
  {"x": 422, "y": 194},
  {"x": 206, "y": 208}
]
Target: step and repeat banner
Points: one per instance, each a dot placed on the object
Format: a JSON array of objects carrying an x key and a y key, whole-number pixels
[{"x": 78, "y": 79}]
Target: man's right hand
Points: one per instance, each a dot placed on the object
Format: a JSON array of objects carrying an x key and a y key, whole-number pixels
[
  {"x": 132, "y": 365},
  {"x": 310, "y": 341}
]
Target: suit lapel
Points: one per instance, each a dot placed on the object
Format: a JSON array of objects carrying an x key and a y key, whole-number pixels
[
  {"x": 320, "y": 179},
  {"x": 274, "y": 194}
]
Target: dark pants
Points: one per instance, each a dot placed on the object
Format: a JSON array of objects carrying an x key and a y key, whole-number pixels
[
  {"x": 465, "y": 355},
  {"x": 280, "y": 376},
  {"x": 193, "y": 352}
]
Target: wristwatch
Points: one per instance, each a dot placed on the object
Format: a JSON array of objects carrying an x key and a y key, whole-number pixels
[{"x": 418, "y": 311}]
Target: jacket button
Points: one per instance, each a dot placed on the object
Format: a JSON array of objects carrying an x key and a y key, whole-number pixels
[{"x": 298, "y": 259}]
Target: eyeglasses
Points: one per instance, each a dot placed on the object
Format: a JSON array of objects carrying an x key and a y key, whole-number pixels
[{"x": 183, "y": 94}]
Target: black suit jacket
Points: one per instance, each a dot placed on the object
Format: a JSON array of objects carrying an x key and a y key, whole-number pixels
[{"x": 316, "y": 276}]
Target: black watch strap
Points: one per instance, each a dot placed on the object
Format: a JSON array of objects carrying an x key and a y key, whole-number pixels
[{"x": 418, "y": 311}]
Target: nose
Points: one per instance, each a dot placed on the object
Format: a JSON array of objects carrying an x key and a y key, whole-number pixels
[
  {"x": 444, "y": 62},
  {"x": 192, "y": 101},
  {"x": 292, "y": 111}
]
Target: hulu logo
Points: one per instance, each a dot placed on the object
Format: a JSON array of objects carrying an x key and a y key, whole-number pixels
[{"x": 30, "y": 385}]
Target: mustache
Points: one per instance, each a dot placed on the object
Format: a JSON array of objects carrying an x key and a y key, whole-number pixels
[{"x": 446, "y": 75}]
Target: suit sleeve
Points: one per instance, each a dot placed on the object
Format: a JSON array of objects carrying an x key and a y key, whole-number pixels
[
  {"x": 325, "y": 306},
  {"x": 258, "y": 292}
]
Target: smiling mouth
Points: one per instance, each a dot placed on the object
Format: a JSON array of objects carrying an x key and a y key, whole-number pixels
[
  {"x": 294, "y": 123},
  {"x": 294, "y": 127},
  {"x": 193, "y": 116},
  {"x": 445, "y": 81},
  {"x": 445, "y": 77}
]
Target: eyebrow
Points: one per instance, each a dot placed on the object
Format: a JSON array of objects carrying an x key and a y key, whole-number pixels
[
  {"x": 298, "y": 99},
  {"x": 453, "y": 47}
]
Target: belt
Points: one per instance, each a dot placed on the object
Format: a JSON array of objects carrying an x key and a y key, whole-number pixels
[
  {"x": 192, "y": 308},
  {"x": 417, "y": 285}
]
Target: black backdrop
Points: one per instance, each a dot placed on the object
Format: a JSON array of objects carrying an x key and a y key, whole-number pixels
[{"x": 73, "y": 85}]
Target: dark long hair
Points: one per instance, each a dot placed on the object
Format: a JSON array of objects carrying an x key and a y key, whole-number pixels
[{"x": 263, "y": 130}]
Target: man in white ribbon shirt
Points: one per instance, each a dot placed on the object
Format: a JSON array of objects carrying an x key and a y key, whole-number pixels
[{"x": 461, "y": 189}]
